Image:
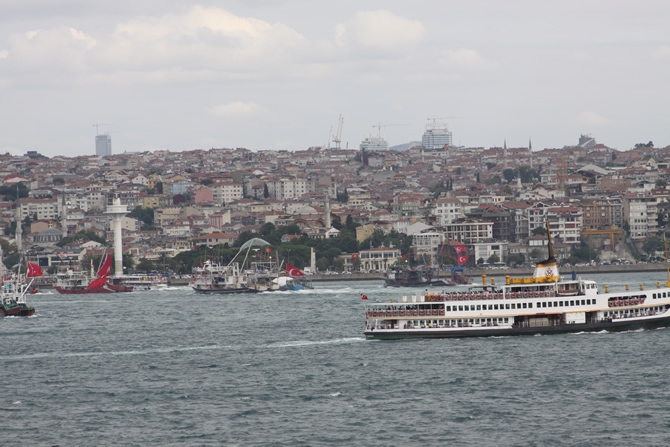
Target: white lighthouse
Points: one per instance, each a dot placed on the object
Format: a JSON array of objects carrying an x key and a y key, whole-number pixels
[{"x": 117, "y": 211}]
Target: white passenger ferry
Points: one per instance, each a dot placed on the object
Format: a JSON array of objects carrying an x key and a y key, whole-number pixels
[{"x": 542, "y": 304}]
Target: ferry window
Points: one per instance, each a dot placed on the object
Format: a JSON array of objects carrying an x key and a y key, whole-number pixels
[
  {"x": 654, "y": 295},
  {"x": 544, "y": 304},
  {"x": 583, "y": 302},
  {"x": 549, "y": 303},
  {"x": 479, "y": 307},
  {"x": 476, "y": 320},
  {"x": 530, "y": 305},
  {"x": 540, "y": 305},
  {"x": 495, "y": 306},
  {"x": 664, "y": 294},
  {"x": 448, "y": 308},
  {"x": 524, "y": 305},
  {"x": 560, "y": 303},
  {"x": 460, "y": 308},
  {"x": 555, "y": 303},
  {"x": 513, "y": 305},
  {"x": 507, "y": 306},
  {"x": 490, "y": 306},
  {"x": 506, "y": 320}
]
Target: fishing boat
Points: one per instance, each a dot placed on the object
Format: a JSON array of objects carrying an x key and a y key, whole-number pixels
[
  {"x": 15, "y": 287},
  {"x": 71, "y": 282},
  {"x": 254, "y": 273},
  {"x": 545, "y": 303},
  {"x": 214, "y": 278},
  {"x": 407, "y": 277}
]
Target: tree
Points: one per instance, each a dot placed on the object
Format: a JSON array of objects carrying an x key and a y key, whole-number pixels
[
  {"x": 493, "y": 259},
  {"x": 509, "y": 174},
  {"x": 535, "y": 253},
  {"x": 146, "y": 215},
  {"x": 336, "y": 221},
  {"x": 495, "y": 180},
  {"x": 516, "y": 259},
  {"x": 145, "y": 265},
  {"x": 343, "y": 197},
  {"x": 59, "y": 181},
  {"x": 266, "y": 192},
  {"x": 490, "y": 165},
  {"x": 652, "y": 244}
]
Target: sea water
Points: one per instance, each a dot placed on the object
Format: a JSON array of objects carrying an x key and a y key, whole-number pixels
[{"x": 169, "y": 367}]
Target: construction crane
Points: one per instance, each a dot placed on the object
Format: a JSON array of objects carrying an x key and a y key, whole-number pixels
[
  {"x": 380, "y": 125},
  {"x": 435, "y": 119},
  {"x": 338, "y": 136},
  {"x": 97, "y": 125}
]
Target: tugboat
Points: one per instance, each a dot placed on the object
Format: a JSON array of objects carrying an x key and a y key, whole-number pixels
[{"x": 545, "y": 303}]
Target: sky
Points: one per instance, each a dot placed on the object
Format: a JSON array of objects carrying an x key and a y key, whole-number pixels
[{"x": 277, "y": 74}]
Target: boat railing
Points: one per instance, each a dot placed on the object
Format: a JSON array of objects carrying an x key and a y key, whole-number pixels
[{"x": 487, "y": 295}]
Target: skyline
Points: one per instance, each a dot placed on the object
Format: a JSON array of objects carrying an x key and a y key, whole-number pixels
[{"x": 277, "y": 74}]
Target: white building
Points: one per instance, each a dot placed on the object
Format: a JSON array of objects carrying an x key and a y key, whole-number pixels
[
  {"x": 447, "y": 210},
  {"x": 227, "y": 192},
  {"x": 374, "y": 144},
  {"x": 436, "y": 136}
]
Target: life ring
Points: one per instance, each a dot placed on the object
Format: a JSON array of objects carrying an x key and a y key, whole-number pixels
[{"x": 610, "y": 303}]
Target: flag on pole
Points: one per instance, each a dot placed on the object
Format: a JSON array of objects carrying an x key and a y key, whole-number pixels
[
  {"x": 34, "y": 270},
  {"x": 364, "y": 296},
  {"x": 293, "y": 271}
]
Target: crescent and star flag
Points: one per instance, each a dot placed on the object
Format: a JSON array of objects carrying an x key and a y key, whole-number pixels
[
  {"x": 34, "y": 270},
  {"x": 364, "y": 296},
  {"x": 293, "y": 271},
  {"x": 461, "y": 254},
  {"x": 106, "y": 267},
  {"x": 97, "y": 283}
]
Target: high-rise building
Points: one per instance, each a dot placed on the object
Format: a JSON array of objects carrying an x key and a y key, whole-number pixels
[
  {"x": 103, "y": 145},
  {"x": 436, "y": 136}
]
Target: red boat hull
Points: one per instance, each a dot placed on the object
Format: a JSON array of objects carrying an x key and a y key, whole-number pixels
[{"x": 107, "y": 288}]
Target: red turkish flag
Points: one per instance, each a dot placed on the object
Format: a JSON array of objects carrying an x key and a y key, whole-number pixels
[
  {"x": 34, "y": 270},
  {"x": 293, "y": 271}
]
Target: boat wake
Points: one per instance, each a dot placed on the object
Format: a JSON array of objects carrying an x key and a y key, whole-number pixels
[
  {"x": 302, "y": 343},
  {"x": 114, "y": 353}
]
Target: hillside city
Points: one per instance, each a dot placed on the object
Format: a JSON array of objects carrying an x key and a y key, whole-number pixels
[{"x": 362, "y": 210}]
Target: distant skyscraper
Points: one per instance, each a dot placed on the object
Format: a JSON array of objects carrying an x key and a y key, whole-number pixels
[
  {"x": 436, "y": 136},
  {"x": 103, "y": 145}
]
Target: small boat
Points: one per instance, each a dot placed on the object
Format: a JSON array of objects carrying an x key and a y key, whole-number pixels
[
  {"x": 545, "y": 303},
  {"x": 144, "y": 282},
  {"x": 15, "y": 287}
]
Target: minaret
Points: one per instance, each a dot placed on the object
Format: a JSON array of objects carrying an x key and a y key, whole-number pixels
[
  {"x": 19, "y": 230},
  {"x": 505, "y": 155},
  {"x": 530, "y": 153},
  {"x": 328, "y": 222},
  {"x": 117, "y": 212}
]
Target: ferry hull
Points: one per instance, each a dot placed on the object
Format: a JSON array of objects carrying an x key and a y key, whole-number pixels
[
  {"x": 613, "y": 326},
  {"x": 215, "y": 291}
]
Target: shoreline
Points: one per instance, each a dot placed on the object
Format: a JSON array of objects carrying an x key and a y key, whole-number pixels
[{"x": 491, "y": 273}]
